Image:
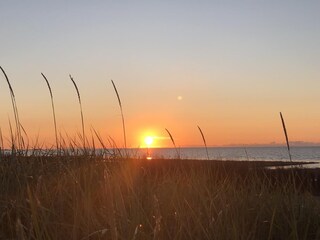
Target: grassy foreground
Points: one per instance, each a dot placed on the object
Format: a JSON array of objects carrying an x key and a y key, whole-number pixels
[{"x": 89, "y": 198}]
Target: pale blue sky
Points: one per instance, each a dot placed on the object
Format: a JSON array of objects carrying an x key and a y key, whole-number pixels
[{"x": 231, "y": 61}]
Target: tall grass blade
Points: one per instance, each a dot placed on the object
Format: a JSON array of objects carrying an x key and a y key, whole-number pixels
[
  {"x": 53, "y": 112},
  {"x": 272, "y": 223},
  {"x": 82, "y": 122},
  {"x": 104, "y": 147},
  {"x": 174, "y": 144},
  {"x": 13, "y": 147},
  {"x": 15, "y": 108},
  {"x": 93, "y": 148},
  {"x": 115, "y": 150},
  {"x": 1, "y": 143},
  {"x": 123, "y": 124},
  {"x": 204, "y": 141},
  {"x": 26, "y": 146},
  {"x": 286, "y": 135}
]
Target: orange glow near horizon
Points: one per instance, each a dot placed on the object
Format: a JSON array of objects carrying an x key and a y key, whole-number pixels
[
  {"x": 219, "y": 134},
  {"x": 146, "y": 126}
]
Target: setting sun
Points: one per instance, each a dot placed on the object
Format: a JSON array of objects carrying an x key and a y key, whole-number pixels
[{"x": 148, "y": 140}]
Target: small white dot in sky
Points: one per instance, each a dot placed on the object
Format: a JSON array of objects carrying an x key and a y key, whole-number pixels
[{"x": 179, "y": 98}]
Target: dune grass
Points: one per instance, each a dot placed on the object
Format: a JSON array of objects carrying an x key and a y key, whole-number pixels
[
  {"x": 89, "y": 198},
  {"x": 286, "y": 135},
  {"x": 17, "y": 135},
  {"x": 204, "y": 141},
  {"x": 53, "y": 112},
  {"x": 173, "y": 142},
  {"x": 81, "y": 112},
  {"x": 122, "y": 118}
]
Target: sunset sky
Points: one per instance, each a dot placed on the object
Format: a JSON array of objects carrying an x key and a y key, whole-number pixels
[{"x": 228, "y": 66}]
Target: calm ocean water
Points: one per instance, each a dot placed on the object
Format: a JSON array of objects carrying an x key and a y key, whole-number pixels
[
  {"x": 235, "y": 153},
  {"x": 307, "y": 154}
]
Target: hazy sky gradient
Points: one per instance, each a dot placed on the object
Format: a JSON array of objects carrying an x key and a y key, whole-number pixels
[{"x": 235, "y": 64}]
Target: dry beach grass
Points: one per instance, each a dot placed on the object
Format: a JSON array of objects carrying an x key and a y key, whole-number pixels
[{"x": 87, "y": 197}]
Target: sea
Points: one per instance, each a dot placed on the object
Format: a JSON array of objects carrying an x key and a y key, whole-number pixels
[
  {"x": 298, "y": 153},
  {"x": 278, "y": 153}
]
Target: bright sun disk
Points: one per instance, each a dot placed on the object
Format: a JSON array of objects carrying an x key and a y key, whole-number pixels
[{"x": 148, "y": 140}]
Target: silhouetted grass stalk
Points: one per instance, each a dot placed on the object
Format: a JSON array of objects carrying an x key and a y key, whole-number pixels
[
  {"x": 13, "y": 141},
  {"x": 25, "y": 146},
  {"x": 204, "y": 141},
  {"x": 1, "y": 143},
  {"x": 15, "y": 109},
  {"x": 174, "y": 144},
  {"x": 123, "y": 123},
  {"x": 82, "y": 121},
  {"x": 53, "y": 112},
  {"x": 286, "y": 135},
  {"x": 106, "y": 151}
]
